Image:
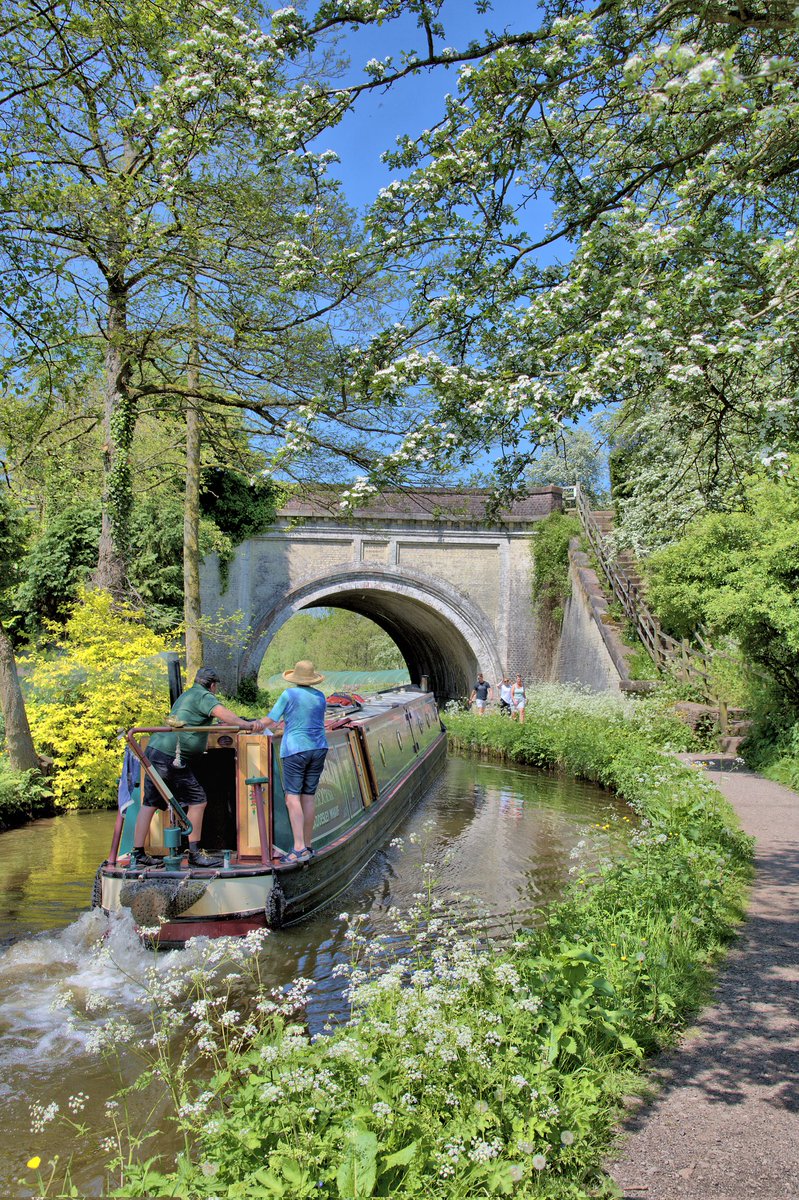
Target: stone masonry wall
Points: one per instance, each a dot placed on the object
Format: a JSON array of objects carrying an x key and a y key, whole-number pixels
[{"x": 590, "y": 652}]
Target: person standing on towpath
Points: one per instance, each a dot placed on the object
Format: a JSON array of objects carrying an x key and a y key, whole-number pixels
[{"x": 481, "y": 694}]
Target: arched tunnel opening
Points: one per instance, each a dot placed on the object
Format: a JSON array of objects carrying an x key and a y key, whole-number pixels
[{"x": 430, "y": 643}]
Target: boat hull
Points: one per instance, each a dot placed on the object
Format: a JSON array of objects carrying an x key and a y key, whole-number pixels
[{"x": 171, "y": 907}]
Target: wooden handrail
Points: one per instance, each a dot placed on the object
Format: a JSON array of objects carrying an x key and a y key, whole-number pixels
[{"x": 669, "y": 654}]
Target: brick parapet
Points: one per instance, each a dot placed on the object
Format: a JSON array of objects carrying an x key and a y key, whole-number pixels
[{"x": 466, "y": 507}]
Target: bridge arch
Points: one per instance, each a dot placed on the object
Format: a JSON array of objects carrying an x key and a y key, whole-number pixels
[
  {"x": 439, "y": 631},
  {"x": 446, "y": 580}
]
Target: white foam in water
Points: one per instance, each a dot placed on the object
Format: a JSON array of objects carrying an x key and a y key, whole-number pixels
[{"x": 96, "y": 957}]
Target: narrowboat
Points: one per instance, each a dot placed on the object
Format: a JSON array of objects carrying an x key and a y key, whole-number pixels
[{"x": 384, "y": 754}]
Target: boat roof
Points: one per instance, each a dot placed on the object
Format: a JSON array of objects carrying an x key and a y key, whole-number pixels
[{"x": 383, "y": 701}]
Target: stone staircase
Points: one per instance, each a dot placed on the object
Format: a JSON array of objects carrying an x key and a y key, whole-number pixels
[
  {"x": 708, "y": 717},
  {"x": 625, "y": 559},
  {"x": 623, "y": 577}
]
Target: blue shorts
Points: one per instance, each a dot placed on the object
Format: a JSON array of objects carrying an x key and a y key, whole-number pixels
[{"x": 301, "y": 771}]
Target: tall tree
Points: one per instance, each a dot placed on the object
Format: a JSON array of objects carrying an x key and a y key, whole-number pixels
[
  {"x": 112, "y": 112},
  {"x": 665, "y": 140},
  {"x": 18, "y": 740}
]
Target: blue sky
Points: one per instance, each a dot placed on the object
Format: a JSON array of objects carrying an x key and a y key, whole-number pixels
[{"x": 414, "y": 103}]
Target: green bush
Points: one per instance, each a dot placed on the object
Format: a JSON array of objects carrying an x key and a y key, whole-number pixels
[
  {"x": 104, "y": 675},
  {"x": 736, "y": 573},
  {"x": 772, "y": 745},
  {"x": 251, "y": 700},
  {"x": 57, "y": 564},
  {"x": 240, "y": 507},
  {"x": 24, "y": 795},
  {"x": 550, "y": 551}
]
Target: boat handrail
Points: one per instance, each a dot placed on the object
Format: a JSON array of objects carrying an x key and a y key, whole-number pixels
[{"x": 191, "y": 729}]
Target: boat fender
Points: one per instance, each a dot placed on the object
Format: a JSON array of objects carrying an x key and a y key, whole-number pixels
[
  {"x": 154, "y": 900},
  {"x": 275, "y": 905},
  {"x": 97, "y": 887}
]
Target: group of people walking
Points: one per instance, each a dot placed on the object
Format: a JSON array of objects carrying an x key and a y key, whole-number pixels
[{"x": 512, "y": 697}]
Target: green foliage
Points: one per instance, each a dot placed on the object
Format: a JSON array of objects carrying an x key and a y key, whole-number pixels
[
  {"x": 63, "y": 555},
  {"x": 13, "y": 530},
  {"x": 24, "y": 795},
  {"x": 772, "y": 744},
  {"x": 156, "y": 558},
  {"x": 256, "y": 698},
  {"x": 639, "y": 663},
  {"x": 58, "y": 563},
  {"x": 335, "y": 640},
  {"x": 103, "y": 676},
  {"x": 738, "y": 573},
  {"x": 550, "y": 551},
  {"x": 467, "y": 1070},
  {"x": 240, "y": 507}
]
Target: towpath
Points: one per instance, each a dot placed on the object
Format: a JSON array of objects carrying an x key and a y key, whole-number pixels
[{"x": 725, "y": 1122}]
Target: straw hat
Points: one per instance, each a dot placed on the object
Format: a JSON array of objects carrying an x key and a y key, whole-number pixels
[{"x": 304, "y": 672}]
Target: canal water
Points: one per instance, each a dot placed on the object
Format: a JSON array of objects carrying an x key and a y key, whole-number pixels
[{"x": 508, "y": 836}]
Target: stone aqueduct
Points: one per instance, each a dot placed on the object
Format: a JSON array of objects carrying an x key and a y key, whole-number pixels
[{"x": 451, "y": 587}]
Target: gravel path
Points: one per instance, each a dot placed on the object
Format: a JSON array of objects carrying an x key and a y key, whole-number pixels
[{"x": 725, "y": 1123}]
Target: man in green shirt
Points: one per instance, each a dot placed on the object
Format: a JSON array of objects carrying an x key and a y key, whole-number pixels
[{"x": 173, "y": 756}]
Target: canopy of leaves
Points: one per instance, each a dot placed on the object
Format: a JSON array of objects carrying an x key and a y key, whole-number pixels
[
  {"x": 666, "y": 139},
  {"x": 663, "y": 139},
  {"x": 238, "y": 506}
]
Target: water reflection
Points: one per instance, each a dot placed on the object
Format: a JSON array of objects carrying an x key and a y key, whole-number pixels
[{"x": 506, "y": 835}]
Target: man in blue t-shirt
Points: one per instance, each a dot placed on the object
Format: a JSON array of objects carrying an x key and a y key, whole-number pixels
[{"x": 303, "y": 750}]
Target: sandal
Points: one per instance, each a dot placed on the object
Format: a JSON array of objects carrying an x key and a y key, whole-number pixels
[{"x": 295, "y": 856}]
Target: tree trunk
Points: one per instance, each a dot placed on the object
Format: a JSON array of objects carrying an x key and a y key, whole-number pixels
[
  {"x": 19, "y": 742},
  {"x": 192, "y": 611},
  {"x": 119, "y": 420}
]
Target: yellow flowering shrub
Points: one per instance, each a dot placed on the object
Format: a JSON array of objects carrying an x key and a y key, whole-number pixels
[{"x": 103, "y": 675}]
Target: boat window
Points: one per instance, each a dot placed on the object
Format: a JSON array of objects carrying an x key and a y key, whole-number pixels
[
  {"x": 382, "y": 752},
  {"x": 399, "y": 739}
]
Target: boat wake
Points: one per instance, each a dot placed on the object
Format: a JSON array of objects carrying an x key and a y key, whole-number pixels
[{"x": 56, "y": 989}]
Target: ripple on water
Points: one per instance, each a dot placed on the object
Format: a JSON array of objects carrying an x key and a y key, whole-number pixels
[{"x": 508, "y": 836}]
